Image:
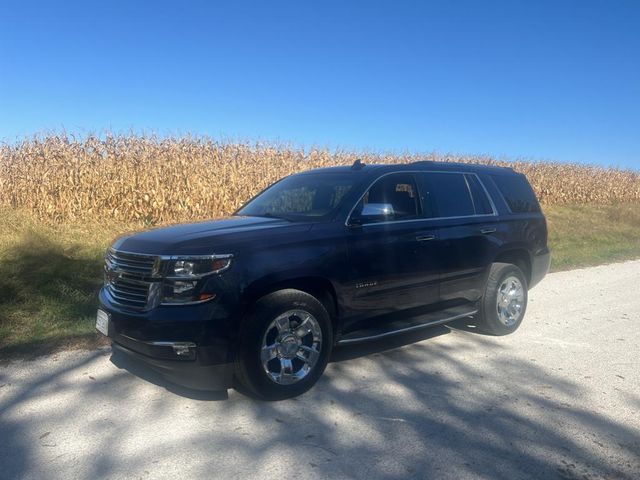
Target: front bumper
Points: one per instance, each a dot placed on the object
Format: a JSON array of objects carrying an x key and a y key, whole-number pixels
[
  {"x": 204, "y": 360},
  {"x": 190, "y": 374}
]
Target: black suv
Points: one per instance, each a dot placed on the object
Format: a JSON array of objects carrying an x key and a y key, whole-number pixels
[{"x": 327, "y": 257}]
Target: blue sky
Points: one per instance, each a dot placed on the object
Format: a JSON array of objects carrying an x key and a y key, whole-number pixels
[{"x": 549, "y": 80}]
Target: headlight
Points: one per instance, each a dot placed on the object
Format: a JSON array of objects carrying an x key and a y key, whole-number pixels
[
  {"x": 185, "y": 279},
  {"x": 184, "y": 268},
  {"x": 180, "y": 292},
  {"x": 197, "y": 266}
]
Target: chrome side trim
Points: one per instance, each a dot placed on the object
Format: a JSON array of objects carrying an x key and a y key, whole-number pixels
[
  {"x": 175, "y": 257},
  {"x": 425, "y": 219},
  {"x": 192, "y": 302},
  {"x": 422, "y": 219},
  {"x": 486, "y": 192},
  {"x": 407, "y": 329},
  {"x": 196, "y": 257},
  {"x": 160, "y": 344},
  {"x": 173, "y": 344},
  {"x": 156, "y": 273}
]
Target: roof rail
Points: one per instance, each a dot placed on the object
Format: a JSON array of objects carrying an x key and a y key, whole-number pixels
[
  {"x": 423, "y": 162},
  {"x": 469, "y": 164}
]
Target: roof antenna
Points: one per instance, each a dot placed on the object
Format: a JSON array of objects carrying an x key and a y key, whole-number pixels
[{"x": 357, "y": 165}]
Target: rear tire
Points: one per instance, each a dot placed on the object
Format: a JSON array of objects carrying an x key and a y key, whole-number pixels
[
  {"x": 285, "y": 343},
  {"x": 504, "y": 302}
]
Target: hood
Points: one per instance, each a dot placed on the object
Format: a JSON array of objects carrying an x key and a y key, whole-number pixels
[{"x": 223, "y": 235}]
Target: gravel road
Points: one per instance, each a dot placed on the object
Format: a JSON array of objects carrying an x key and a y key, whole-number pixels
[{"x": 558, "y": 399}]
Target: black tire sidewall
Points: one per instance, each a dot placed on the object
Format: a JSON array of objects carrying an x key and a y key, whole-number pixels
[
  {"x": 490, "y": 323},
  {"x": 252, "y": 374}
]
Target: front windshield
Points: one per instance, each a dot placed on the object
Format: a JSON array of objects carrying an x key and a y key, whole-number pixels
[{"x": 301, "y": 197}]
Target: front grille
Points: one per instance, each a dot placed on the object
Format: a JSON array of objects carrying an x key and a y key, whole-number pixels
[
  {"x": 132, "y": 263},
  {"x": 126, "y": 292},
  {"x": 129, "y": 278}
]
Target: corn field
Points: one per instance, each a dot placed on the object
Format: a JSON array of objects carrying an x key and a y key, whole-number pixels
[{"x": 152, "y": 180}]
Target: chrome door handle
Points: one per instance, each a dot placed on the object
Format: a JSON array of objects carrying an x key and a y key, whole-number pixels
[
  {"x": 425, "y": 238},
  {"x": 486, "y": 231}
]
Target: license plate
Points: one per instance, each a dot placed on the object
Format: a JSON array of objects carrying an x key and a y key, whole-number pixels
[{"x": 102, "y": 322}]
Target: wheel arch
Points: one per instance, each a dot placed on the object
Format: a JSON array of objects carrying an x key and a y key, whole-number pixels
[
  {"x": 318, "y": 286},
  {"x": 517, "y": 256}
]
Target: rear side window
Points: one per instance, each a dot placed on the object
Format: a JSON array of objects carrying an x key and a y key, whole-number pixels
[
  {"x": 517, "y": 193},
  {"x": 479, "y": 196},
  {"x": 450, "y": 193}
]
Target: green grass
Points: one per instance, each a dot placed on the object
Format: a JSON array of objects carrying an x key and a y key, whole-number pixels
[
  {"x": 50, "y": 275},
  {"x": 585, "y": 235},
  {"x": 49, "y": 278}
]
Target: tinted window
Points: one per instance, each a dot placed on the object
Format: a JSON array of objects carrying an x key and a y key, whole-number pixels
[
  {"x": 517, "y": 193},
  {"x": 399, "y": 190},
  {"x": 479, "y": 196},
  {"x": 451, "y": 194},
  {"x": 301, "y": 196}
]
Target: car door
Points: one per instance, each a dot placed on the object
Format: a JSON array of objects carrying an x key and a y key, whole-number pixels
[
  {"x": 392, "y": 259},
  {"x": 466, "y": 230}
]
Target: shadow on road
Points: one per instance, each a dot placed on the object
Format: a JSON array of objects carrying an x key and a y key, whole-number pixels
[
  {"x": 339, "y": 354},
  {"x": 412, "y": 411}
]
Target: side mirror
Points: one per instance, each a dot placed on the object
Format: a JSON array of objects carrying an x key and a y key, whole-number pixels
[{"x": 373, "y": 212}]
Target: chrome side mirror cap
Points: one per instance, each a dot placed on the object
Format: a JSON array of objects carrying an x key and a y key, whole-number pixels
[{"x": 373, "y": 212}]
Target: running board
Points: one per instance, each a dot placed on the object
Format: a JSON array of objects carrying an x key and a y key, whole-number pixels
[{"x": 398, "y": 327}]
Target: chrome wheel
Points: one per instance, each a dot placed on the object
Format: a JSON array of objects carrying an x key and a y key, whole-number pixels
[
  {"x": 291, "y": 347},
  {"x": 510, "y": 301}
]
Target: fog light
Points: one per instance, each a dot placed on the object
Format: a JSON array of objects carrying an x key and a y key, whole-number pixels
[{"x": 182, "y": 348}]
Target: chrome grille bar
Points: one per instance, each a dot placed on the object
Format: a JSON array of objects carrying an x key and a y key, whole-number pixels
[
  {"x": 129, "y": 278},
  {"x": 132, "y": 263}
]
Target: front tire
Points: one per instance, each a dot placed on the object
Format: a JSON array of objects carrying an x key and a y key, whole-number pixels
[
  {"x": 285, "y": 345},
  {"x": 504, "y": 302}
]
